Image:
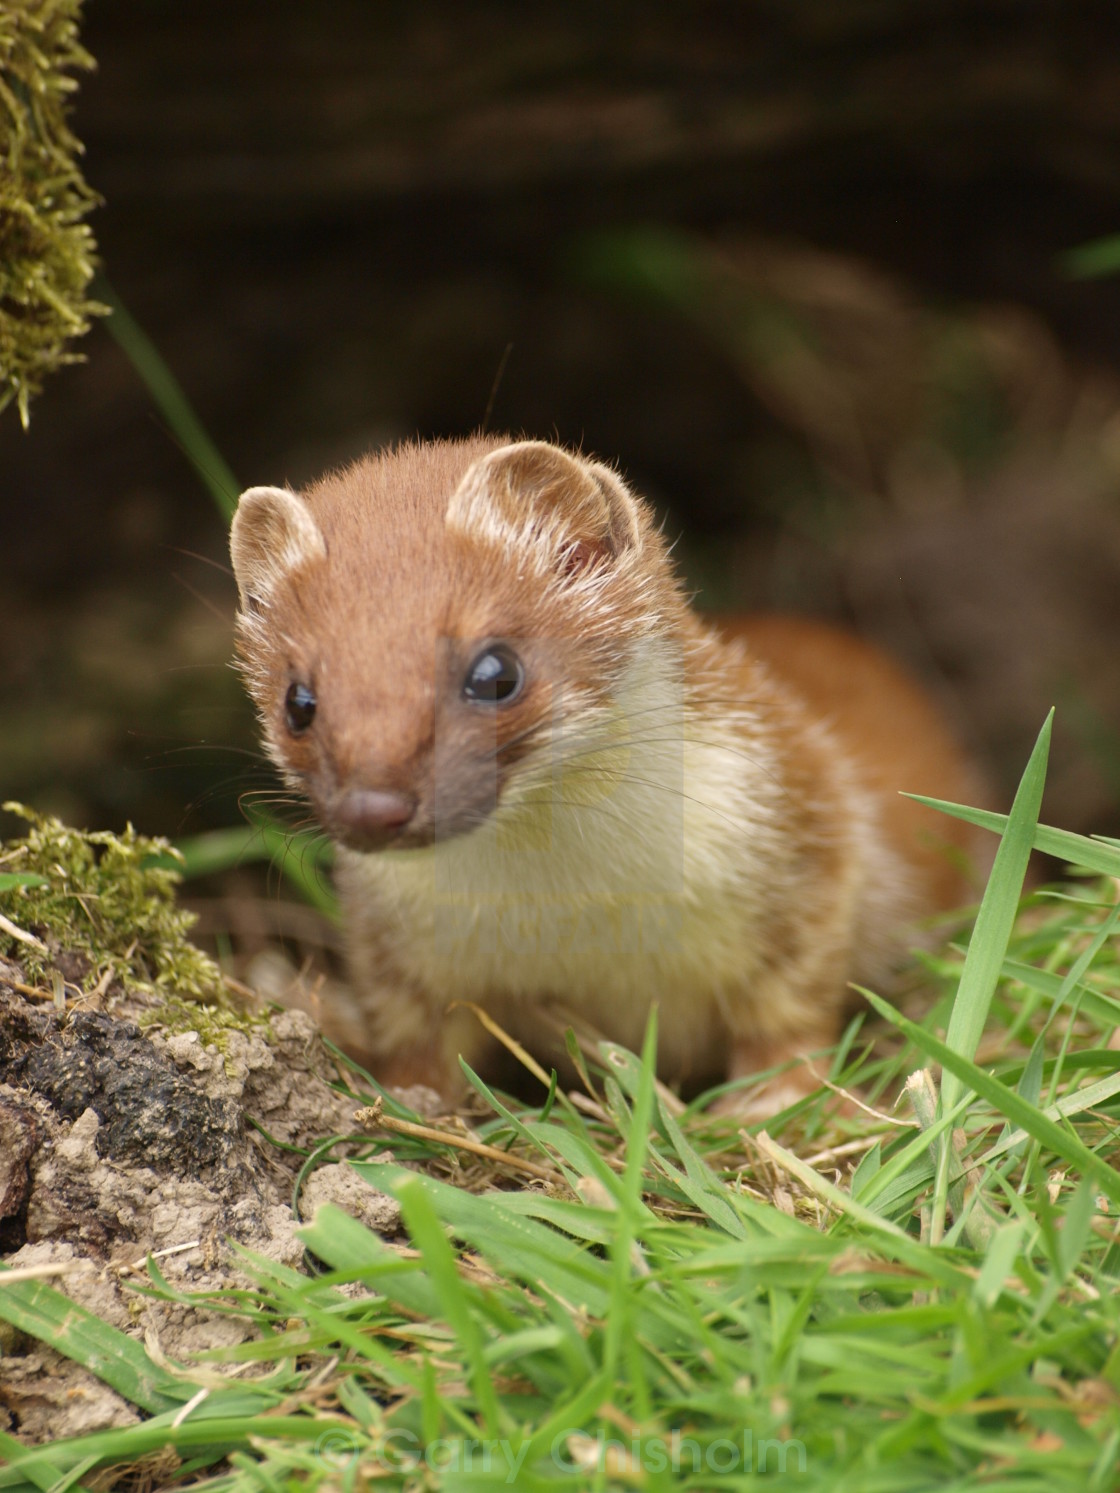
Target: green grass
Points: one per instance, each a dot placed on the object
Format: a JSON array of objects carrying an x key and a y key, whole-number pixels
[{"x": 923, "y": 1299}]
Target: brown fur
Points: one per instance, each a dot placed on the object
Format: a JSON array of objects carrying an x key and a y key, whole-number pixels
[
  {"x": 893, "y": 731},
  {"x": 736, "y": 786}
]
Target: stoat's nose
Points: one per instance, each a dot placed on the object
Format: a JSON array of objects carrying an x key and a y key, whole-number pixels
[{"x": 367, "y": 818}]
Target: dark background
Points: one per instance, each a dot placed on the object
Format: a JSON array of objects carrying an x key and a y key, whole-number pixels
[{"x": 796, "y": 266}]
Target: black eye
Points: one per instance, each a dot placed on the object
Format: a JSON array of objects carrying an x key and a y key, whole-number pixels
[
  {"x": 299, "y": 708},
  {"x": 495, "y": 676}
]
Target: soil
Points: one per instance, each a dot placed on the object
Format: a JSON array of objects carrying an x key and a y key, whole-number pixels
[{"x": 118, "y": 1141}]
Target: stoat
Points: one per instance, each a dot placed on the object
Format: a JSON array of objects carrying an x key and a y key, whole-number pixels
[{"x": 557, "y": 792}]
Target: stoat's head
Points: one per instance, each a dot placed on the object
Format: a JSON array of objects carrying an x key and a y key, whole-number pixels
[{"x": 415, "y": 629}]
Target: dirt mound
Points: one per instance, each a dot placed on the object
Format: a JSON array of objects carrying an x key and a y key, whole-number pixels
[{"x": 118, "y": 1141}]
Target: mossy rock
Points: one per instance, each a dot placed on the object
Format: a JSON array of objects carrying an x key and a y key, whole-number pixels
[{"x": 46, "y": 249}]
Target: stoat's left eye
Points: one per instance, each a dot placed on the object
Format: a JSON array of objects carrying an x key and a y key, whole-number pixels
[
  {"x": 495, "y": 676},
  {"x": 299, "y": 708}
]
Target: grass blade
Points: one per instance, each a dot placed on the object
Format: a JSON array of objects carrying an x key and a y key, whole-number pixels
[
  {"x": 168, "y": 397},
  {"x": 1006, "y": 1102},
  {"x": 443, "y": 1273},
  {"x": 1093, "y": 852},
  {"x": 988, "y": 946},
  {"x": 118, "y": 1360}
]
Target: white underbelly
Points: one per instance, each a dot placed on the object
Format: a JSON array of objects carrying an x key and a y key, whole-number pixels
[
  {"x": 619, "y": 892},
  {"x": 606, "y": 945}
]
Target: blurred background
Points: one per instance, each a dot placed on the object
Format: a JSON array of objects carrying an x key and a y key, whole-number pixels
[{"x": 800, "y": 267}]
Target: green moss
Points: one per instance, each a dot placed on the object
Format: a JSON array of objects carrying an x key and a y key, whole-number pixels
[
  {"x": 46, "y": 250},
  {"x": 212, "y": 1023},
  {"x": 106, "y": 900}
]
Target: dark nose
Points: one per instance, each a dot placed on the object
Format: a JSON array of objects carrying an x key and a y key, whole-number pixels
[{"x": 369, "y": 817}]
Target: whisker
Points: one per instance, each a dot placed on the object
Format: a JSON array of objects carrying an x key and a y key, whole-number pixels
[
  {"x": 257, "y": 798},
  {"x": 516, "y": 740},
  {"x": 669, "y": 790},
  {"x": 223, "y": 568},
  {"x": 204, "y": 601},
  {"x": 597, "y": 745},
  {"x": 216, "y": 746},
  {"x": 581, "y": 808}
]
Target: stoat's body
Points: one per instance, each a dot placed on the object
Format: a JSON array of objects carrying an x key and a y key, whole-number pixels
[{"x": 556, "y": 791}]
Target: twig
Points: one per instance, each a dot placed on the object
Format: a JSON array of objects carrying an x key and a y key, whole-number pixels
[
  {"x": 373, "y": 1115},
  {"x": 40, "y": 1272},
  {"x": 13, "y": 931},
  {"x": 36, "y": 992}
]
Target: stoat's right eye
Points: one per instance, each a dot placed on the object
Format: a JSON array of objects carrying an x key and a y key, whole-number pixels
[{"x": 299, "y": 708}]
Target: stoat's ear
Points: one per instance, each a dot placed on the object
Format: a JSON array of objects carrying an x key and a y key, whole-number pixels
[
  {"x": 273, "y": 532},
  {"x": 532, "y": 492}
]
